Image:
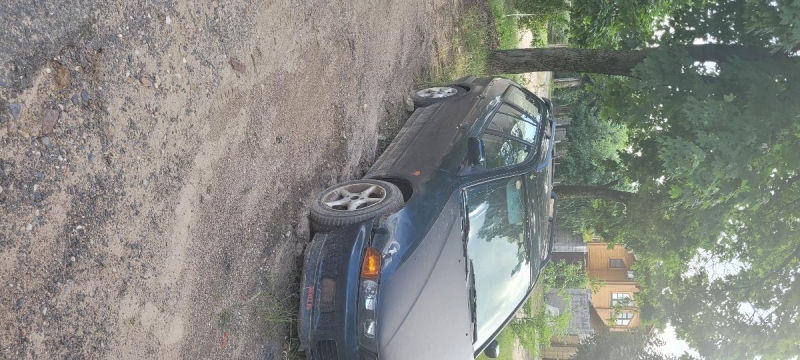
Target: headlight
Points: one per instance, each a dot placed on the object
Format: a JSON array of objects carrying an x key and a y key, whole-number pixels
[
  {"x": 369, "y": 294},
  {"x": 368, "y": 299}
]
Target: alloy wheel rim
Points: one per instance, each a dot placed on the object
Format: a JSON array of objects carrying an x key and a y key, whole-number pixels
[
  {"x": 438, "y": 92},
  {"x": 352, "y": 197}
]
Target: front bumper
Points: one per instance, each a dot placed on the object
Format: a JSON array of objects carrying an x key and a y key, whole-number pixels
[{"x": 329, "y": 294}]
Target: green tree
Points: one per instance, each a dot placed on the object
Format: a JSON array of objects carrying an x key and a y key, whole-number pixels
[
  {"x": 593, "y": 144},
  {"x": 625, "y": 24},
  {"x": 638, "y": 344},
  {"x": 712, "y": 160}
]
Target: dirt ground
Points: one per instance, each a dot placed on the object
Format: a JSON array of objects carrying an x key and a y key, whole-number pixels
[{"x": 157, "y": 160}]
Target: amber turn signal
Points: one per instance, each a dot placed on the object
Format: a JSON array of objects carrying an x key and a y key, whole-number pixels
[{"x": 371, "y": 266}]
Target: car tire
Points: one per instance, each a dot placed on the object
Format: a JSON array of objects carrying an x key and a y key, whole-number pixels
[
  {"x": 353, "y": 202},
  {"x": 436, "y": 94}
]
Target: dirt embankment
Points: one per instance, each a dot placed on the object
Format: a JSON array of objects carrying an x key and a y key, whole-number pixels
[{"x": 157, "y": 159}]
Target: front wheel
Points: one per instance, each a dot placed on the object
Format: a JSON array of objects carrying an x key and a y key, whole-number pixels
[
  {"x": 437, "y": 94},
  {"x": 353, "y": 202}
]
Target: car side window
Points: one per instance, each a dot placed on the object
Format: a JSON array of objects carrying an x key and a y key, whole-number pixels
[
  {"x": 508, "y": 137},
  {"x": 501, "y": 152},
  {"x": 508, "y": 120},
  {"x": 520, "y": 99}
]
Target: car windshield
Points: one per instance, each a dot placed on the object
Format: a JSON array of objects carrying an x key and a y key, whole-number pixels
[{"x": 498, "y": 251}]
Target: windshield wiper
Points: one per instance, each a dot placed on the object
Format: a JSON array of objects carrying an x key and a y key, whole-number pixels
[{"x": 473, "y": 307}]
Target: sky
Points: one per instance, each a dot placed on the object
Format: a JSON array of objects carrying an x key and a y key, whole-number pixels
[{"x": 673, "y": 345}]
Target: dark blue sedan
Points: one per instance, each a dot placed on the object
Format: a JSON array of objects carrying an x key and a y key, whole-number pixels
[{"x": 434, "y": 251}]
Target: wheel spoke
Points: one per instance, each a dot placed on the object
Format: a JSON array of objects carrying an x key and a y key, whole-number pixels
[
  {"x": 353, "y": 205},
  {"x": 371, "y": 200},
  {"x": 340, "y": 202},
  {"x": 368, "y": 192}
]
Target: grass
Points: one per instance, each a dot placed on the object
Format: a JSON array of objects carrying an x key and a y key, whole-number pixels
[
  {"x": 473, "y": 39},
  {"x": 506, "y": 342},
  {"x": 279, "y": 309},
  {"x": 466, "y": 53},
  {"x": 507, "y": 337},
  {"x": 275, "y": 309},
  {"x": 507, "y": 26}
]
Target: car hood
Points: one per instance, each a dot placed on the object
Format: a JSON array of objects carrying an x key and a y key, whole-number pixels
[{"x": 423, "y": 309}]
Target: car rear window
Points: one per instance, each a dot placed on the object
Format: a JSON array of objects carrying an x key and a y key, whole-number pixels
[{"x": 498, "y": 251}]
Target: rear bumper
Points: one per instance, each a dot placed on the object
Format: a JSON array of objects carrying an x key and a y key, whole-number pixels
[{"x": 329, "y": 294}]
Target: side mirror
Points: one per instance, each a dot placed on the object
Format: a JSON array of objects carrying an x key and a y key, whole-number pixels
[
  {"x": 493, "y": 350},
  {"x": 474, "y": 150}
]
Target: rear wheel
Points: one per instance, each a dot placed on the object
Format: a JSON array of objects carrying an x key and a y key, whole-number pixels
[
  {"x": 437, "y": 94},
  {"x": 354, "y": 201}
]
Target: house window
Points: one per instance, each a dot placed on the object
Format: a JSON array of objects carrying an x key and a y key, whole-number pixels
[
  {"x": 621, "y": 299},
  {"x": 623, "y": 319},
  {"x": 616, "y": 263}
]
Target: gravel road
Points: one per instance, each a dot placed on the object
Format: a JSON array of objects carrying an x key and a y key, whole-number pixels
[{"x": 157, "y": 159}]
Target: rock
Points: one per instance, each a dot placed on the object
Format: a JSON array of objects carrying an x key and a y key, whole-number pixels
[
  {"x": 145, "y": 81},
  {"x": 37, "y": 196},
  {"x": 85, "y": 97},
  {"x": 238, "y": 65},
  {"x": 46, "y": 141},
  {"x": 29, "y": 227},
  {"x": 288, "y": 233},
  {"x": 409, "y": 104},
  {"x": 75, "y": 100},
  {"x": 303, "y": 229},
  {"x": 214, "y": 4},
  {"x": 20, "y": 302},
  {"x": 15, "y": 108},
  {"x": 49, "y": 119},
  {"x": 169, "y": 20},
  {"x": 11, "y": 127},
  {"x": 62, "y": 77},
  {"x": 1, "y": 189},
  {"x": 158, "y": 82}
]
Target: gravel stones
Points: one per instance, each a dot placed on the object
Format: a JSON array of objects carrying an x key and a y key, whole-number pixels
[
  {"x": 49, "y": 119},
  {"x": 63, "y": 77},
  {"x": 15, "y": 109},
  {"x": 238, "y": 65}
]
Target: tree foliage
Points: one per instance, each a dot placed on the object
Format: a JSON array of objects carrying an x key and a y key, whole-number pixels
[
  {"x": 713, "y": 157},
  {"x": 593, "y": 144},
  {"x": 638, "y": 344},
  {"x": 714, "y": 154},
  {"x": 626, "y": 24},
  {"x": 538, "y": 325},
  {"x": 744, "y": 22}
]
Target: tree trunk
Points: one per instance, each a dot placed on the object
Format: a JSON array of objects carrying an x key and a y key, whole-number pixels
[
  {"x": 591, "y": 192},
  {"x": 567, "y": 82},
  {"x": 604, "y": 61}
]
